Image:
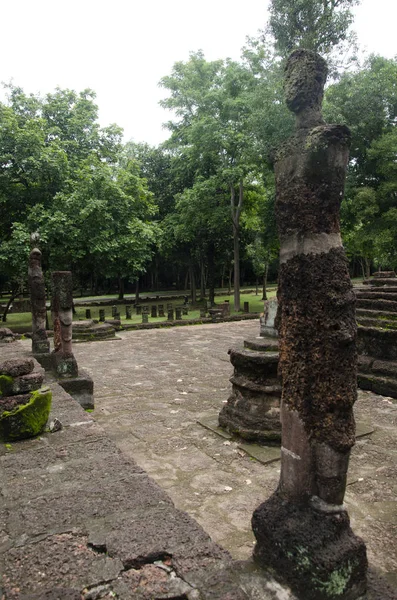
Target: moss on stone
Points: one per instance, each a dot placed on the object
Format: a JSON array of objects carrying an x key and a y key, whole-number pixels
[
  {"x": 6, "y": 382},
  {"x": 26, "y": 420}
]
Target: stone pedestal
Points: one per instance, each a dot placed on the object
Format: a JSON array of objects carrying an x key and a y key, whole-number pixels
[
  {"x": 253, "y": 409},
  {"x": 170, "y": 314},
  {"x": 178, "y": 313},
  {"x": 314, "y": 551},
  {"x": 81, "y": 388},
  {"x": 153, "y": 313},
  {"x": 161, "y": 310}
]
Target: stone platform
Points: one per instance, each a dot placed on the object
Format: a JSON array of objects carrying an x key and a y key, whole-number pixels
[{"x": 81, "y": 520}]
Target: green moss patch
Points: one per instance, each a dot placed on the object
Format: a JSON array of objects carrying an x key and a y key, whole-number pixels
[
  {"x": 26, "y": 420},
  {"x": 5, "y": 385}
]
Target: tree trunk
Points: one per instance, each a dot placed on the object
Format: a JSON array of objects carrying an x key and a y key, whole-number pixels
[
  {"x": 202, "y": 279},
  {"x": 256, "y": 286},
  {"x": 236, "y": 212},
  {"x": 367, "y": 268},
  {"x": 229, "y": 286},
  {"x": 192, "y": 284},
  {"x": 211, "y": 274},
  {"x": 121, "y": 288},
  {"x": 7, "y": 308},
  {"x": 186, "y": 286},
  {"x": 264, "y": 293},
  {"x": 137, "y": 291},
  {"x": 236, "y": 255}
]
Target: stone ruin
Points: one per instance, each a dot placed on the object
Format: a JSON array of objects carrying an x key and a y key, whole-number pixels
[
  {"x": 377, "y": 334},
  {"x": 6, "y": 336},
  {"x": 78, "y": 384},
  {"x": 24, "y": 404},
  {"x": 40, "y": 342},
  {"x": 253, "y": 409},
  {"x": 90, "y": 330},
  {"x": 303, "y": 530}
]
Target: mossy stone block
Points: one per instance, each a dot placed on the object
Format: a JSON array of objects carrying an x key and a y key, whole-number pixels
[
  {"x": 26, "y": 420},
  {"x": 5, "y": 385}
]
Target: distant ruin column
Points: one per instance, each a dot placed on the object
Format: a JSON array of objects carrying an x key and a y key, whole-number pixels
[
  {"x": 40, "y": 343},
  {"x": 303, "y": 530},
  {"x": 65, "y": 363}
]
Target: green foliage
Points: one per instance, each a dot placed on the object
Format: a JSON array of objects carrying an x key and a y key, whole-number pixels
[
  {"x": 367, "y": 101},
  {"x": 317, "y": 25},
  {"x": 60, "y": 175}
]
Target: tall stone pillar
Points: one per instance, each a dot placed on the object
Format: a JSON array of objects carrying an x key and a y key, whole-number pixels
[
  {"x": 303, "y": 530},
  {"x": 40, "y": 343},
  {"x": 65, "y": 364}
]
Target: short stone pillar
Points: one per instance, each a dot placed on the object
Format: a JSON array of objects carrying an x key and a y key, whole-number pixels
[
  {"x": 253, "y": 408},
  {"x": 102, "y": 314},
  {"x": 114, "y": 310},
  {"x": 78, "y": 384},
  {"x": 116, "y": 316},
  {"x": 88, "y": 313},
  {"x": 161, "y": 310},
  {"x": 40, "y": 343},
  {"x": 64, "y": 362},
  {"x": 170, "y": 314},
  {"x": 178, "y": 313},
  {"x": 138, "y": 309},
  {"x": 153, "y": 313},
  {"x": 303, "y": 529},
  {"x": 246, "y": 307},
  {"x": 128, "y": 314},
  {"x": 203, "y": 312},
  {"x": 145, "y": 317},
  {"x": 225, "y": 308}
]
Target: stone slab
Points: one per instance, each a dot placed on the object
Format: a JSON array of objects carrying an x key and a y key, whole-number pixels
[{"x": 266, "y": 454}]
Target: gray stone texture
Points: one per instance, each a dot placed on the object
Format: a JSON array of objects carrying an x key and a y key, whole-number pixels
[{"x": 146, "y": 376}]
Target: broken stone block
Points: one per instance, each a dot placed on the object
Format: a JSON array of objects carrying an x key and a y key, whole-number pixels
[
  {"x": 81, "y": 388},
  {"x": 28, "y": 419},
  {"x": 15, "y": 367},
  {"x": 6, "y": 335}
]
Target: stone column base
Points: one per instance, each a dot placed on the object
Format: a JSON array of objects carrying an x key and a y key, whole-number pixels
[
  {"x": 81, "y": 388},
  {"x": 315, "y": 552}
]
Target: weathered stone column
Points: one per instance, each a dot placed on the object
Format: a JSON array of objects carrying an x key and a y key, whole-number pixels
[
  {"x": 40, "y": 343},
  {"x": 65, "y": 364},
  {"x": 303, "y": 530}
]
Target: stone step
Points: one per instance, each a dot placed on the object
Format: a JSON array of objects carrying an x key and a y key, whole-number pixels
[
  {"x": 384, "y": 386},
  {"x": 262, "y": 344},
  {"x": 377, "y": 322},
  {"x": 377, "y": 294},
  {"x": 381, "y": 281},
  {"x": 374, "y": 314},
  {"x": 379, "y": 343},
  {"x": 375, "y": 304}
]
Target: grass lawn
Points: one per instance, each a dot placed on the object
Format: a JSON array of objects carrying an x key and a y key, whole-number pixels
[{"x": 22, "y": 322}]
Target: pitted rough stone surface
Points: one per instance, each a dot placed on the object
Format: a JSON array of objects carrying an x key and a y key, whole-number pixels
[{"x": 16, "y": 367}]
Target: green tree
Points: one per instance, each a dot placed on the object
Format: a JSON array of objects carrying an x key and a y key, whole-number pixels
[{"x": 318, "y": 25}]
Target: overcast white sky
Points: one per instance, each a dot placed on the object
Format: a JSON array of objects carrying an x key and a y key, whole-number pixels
[{"x": 121, "y": 49}]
